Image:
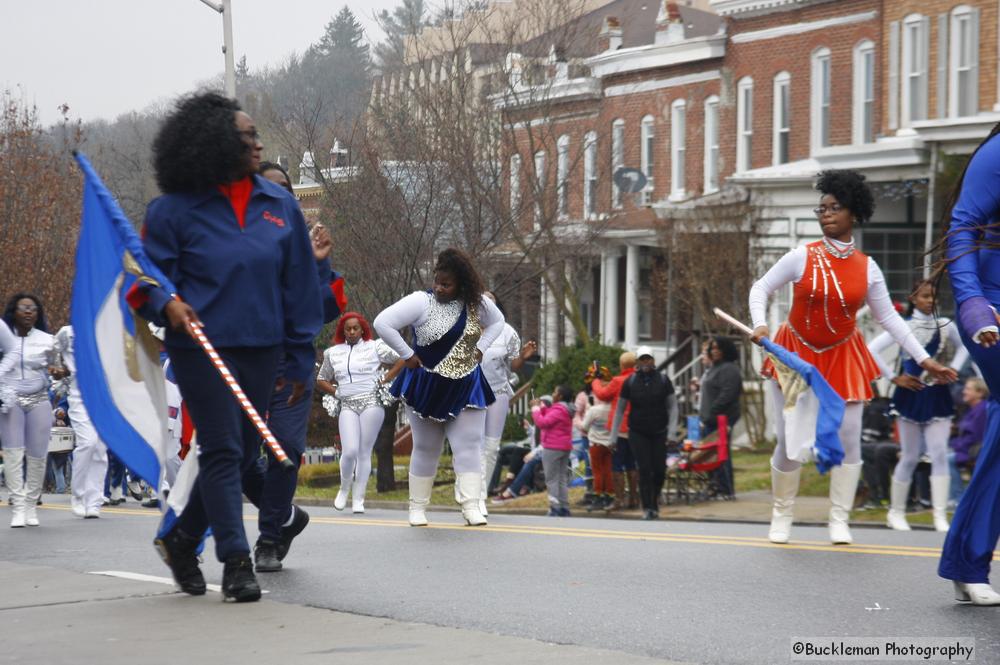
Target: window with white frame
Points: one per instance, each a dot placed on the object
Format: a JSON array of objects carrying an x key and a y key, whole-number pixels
[
  {"x": 782, "y": 123},
  {"x": 820, "y": 98},
  {"x": 916, "y": 36},
  {"x": 648, "y": 137},
  {"x": 963, "y": 83},
  {"x": 617, "y": 158},
  {"x": 539, "y": 185},
  {"x": 515, "y": 185},
  {"x": 744, "y": 124},
  {"x": 863, "y": 125},
  {"x": 589, "y": 174},
  {"x": 678, "y": 147},
  {"x": 711, "y": 150},
  {"x": 562, "y": 175}
]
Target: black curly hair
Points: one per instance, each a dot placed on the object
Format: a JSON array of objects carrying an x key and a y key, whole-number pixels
[
  {"x": 459, "y": 265},
  {"x": 198, "y": 145},
  {"x": 850, "y": 190},
  {"x": 274, "y": 166},
  {"x": 42, "y": 323},
  {"x": 727, "y": 348}
]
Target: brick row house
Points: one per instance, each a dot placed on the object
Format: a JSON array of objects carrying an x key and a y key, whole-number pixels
[
  {"x": 754, "y": 96},
  {"x": 733, "y": 100}
]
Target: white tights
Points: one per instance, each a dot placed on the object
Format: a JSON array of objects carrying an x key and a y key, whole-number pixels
[
  {"x": 913, "y": 437},
  {"x": 496, "y": 416},
  {"x": 465, "y": 434},
  {"x": 29, "y": 430},
  {"x": 358, "y": 432},
  {"x": 850, "y": 431}
]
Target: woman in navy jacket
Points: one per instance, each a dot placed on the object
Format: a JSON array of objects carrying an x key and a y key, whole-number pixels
[
  {"x": 973, "y": 264},
  {"x": 237, "y": 249}
]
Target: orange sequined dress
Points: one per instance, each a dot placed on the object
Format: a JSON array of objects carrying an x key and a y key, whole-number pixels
[{"x": 821, "y": 326}]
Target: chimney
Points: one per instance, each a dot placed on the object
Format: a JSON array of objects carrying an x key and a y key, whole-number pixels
[
  {"x": 610, "y": 38},
  {"x": 669, "y": 24}
]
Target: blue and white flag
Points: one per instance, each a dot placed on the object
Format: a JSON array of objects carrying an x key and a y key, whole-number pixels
[
  {"x": 117, "y": 357},
  {"x": 813, "y": 410}
]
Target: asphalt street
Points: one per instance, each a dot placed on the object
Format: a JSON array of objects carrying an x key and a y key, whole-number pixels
[{"x": 689, "y": 592}]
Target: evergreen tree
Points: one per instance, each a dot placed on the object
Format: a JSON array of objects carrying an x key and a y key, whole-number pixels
[{"x": 405, "y": 21}]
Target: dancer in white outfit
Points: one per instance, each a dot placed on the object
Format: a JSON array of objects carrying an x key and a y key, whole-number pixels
[
  {"x": 504, "y": 357},
  {"x": 352, "y": 373},
  {"x": 925, "y": 411},
  {"x": 27, "y": 422},
  {"x": 90, "y": 455},
  {"x": 442, "y": 384}
]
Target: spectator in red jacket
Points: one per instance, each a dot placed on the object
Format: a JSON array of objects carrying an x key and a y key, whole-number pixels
[{"x": 622, "y": 461}]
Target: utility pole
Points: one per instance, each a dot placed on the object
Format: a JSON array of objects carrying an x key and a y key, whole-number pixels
[{"x": 226, "y": 9}]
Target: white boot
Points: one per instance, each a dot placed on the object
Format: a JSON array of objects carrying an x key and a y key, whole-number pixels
[
  {"x": 340, "y": 501},
  {"x": 977, "y": 594},
  {"x": 469, "y": 485},
  {"x": 489, "y": 460},
  {"x": 843, "y": 487},
  {"x": 33, "y": 488},
  {"x": 940, "y": 487},
  {"x": 358, "y": 495},
  {"x": 420, "y": 496},
  {"x": 13, "y": 467},
  {"x": 784, "y": 488},
  {"x": 896, "y": 517}
]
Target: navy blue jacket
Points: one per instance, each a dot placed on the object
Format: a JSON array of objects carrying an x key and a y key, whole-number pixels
[{"x": 251, "y": 286}]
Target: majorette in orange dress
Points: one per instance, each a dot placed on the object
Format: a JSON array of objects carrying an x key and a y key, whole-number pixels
[{"x": 822, "y": 327}]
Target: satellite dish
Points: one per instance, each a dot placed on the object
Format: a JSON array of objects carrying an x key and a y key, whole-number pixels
[{"x": 630, "y": 181}]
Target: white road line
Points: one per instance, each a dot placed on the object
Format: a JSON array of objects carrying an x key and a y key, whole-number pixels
[{"x": 139, "y": 577}]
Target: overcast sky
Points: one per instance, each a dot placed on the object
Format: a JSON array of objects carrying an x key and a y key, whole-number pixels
[{"x": 107, "y": 57}]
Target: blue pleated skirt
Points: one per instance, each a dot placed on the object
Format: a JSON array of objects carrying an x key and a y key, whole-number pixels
[
  {"x": 440, "y": 398},
  {"x": 925, "y": 405}
]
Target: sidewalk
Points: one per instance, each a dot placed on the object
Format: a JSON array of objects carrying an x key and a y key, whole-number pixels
[{"x": 53, "y": 616}]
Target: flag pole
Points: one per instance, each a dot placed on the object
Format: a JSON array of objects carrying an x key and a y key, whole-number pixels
[
  {"x": 195, "y": 329},
  {"x": 733, "y": 321}
]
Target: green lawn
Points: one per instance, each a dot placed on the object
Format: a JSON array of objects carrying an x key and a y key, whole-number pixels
[{"x": 752, "y": 471}]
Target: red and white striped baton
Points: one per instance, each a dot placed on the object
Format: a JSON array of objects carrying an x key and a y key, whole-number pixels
[{"x": 279, "y": 454}]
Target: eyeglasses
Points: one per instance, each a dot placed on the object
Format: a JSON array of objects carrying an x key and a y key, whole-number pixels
[
  {"x": 833, "y": 210},
  {"x": 251, "y": 134},
  {"x": 27, "y": 308}
]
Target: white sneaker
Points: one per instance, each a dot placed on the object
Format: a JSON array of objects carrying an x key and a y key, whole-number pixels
[
  {"x": 341, "y": 501},
  {"x": 896, "y": 520},
  {"x": 92, "y": 513},
  {"x": 977, "y": 594},
  {"x": 358, "y": 506},
  {"x": 77, "y": 507}
]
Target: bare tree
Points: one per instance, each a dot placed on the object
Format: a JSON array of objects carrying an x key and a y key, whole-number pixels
[{"x": 40, "y": 194}]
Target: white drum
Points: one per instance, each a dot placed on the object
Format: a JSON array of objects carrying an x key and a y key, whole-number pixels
[{"x": 61, "y": 440}]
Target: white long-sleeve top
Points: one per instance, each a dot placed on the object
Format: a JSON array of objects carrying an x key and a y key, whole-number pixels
[
  {"x": 11, "y": 350},
  {"x": 28, "y": 371},
  {"x": 431, "y": 320},
  {"x": 923, "y": 326},
  {"x": 497, "y": 359},
  {"x": 790, "y": 268},
  {"x": 354, "y": 368}
]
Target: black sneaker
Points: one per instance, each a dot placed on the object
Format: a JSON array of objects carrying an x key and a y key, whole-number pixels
[
  {"x": 178, "y": 551},
  {"x": 288, "y": 533},
  {"x": 265, "y": 556},
  {"x": 238, "y": 582}
]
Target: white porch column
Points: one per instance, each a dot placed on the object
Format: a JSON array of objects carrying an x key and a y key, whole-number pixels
[
  {"x": 609, "y": 304},
  {"x": 550, "y": 318},
  {"x": 602, "y": 295},
  {"x": 569, "y": 332},
  {"x": 631, "y": 298}
]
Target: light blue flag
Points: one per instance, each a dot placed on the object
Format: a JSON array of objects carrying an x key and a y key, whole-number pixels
[
  {"x": 117, "y": 357},
  {"x": 826, "y": 447}
]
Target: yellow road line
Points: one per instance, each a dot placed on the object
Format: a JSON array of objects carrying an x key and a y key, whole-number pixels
[{"x": 605, "y": 534}]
